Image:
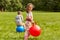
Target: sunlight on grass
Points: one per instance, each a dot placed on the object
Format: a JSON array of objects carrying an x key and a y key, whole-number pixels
[{"x": 48, "y": 21}]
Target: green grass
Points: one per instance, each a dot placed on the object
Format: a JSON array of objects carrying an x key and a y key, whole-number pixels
[{"x": 48, "y": 21}]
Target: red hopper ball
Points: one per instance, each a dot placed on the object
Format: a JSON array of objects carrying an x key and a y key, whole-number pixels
[{"x": 35, "y": 30}]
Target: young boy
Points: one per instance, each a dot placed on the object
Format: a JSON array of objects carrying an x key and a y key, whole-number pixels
[
  {"x": 19, "y": 19},
  {"x": 29, "y": 20}
]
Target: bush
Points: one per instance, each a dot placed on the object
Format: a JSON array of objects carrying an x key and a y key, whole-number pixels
[{"x": 43, "y": 5}]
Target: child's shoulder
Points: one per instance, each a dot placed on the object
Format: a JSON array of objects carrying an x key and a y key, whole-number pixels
[{"x": 19, "y": 15}]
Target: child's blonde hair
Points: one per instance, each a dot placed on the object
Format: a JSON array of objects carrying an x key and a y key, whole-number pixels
[{"x": 30, "y": 4}]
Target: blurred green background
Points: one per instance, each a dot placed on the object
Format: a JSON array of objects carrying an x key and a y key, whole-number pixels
[{"x": 42, "y": 5}]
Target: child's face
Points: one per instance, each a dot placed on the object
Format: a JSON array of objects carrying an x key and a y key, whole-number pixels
[{"x": 29, "y": 8}]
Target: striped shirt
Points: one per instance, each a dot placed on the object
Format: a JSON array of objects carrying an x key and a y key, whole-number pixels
[{"x": 19, "y": 19}]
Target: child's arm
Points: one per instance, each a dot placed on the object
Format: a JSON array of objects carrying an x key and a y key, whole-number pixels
[{"x": 22, "y": 18}]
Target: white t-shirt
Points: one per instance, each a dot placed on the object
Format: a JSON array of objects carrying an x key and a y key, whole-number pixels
[
  {"x": 28, "y": 23},
  {"x": 19, "y": 19},
  {"x": 30, "y": 15}
]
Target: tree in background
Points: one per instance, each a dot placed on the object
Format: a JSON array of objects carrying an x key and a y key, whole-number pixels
[
  {"x": 10, "y": 5},
  {"x": 3, "y": 4},
  {"x": 43, "y": 5},
  {"x": 15, "y": 5}
]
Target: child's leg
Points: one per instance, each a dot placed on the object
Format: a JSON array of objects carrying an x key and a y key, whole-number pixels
[{"x": 26, "y": 36}]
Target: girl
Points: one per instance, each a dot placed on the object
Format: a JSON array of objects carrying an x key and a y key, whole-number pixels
[{"x": 29, "y": 20}]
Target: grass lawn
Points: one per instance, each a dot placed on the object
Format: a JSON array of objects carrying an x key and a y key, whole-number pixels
[{"x": 48, "y": 21}]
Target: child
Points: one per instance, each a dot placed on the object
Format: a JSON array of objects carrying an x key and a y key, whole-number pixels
[
  {"x": 29, "y": 20},
  {"x": 19, "y": 19}
]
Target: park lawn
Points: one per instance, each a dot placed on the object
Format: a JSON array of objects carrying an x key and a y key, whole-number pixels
[{"x": 48, "y": 21}]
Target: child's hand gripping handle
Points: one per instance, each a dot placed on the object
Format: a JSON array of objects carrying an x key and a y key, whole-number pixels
[{"x": 34, "y": 23}]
